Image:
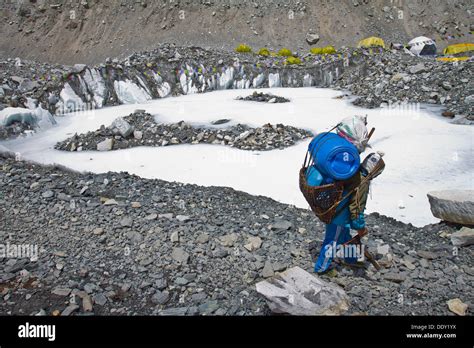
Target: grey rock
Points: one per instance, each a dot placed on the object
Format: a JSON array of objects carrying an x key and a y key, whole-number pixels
[
  {"x": 253, "y": 243},
  {"x": 429, "y": 255},
  {"x": 395, "y": 277},
  {"x": 220, "y": 122},
  {"x": 312, "y": 39},
  {"x": 198, "y": 297},
  {"x": 418, "y": 68},
  {"x": 61, "y": 291},
  {"x": 173, "y": 312},
  {"x": 181, "y": 281},
  {"x": 106, "y": 145},
  {"x": 281, "y": 225},
  {"x": 453, "y": 205},
  {"x": 69, "y": 310},
  {"x": 220, "y": 253},
  {"x": 134, "y": 236},
  {"x": 183, "y": 218},
  {"x": 160, "y": 297},
  {"x": 464, "y": 237},
  {"x": 27, "y": 86},
  {"x": 89, "y": 288},
  {"x": 278, "y": 267},
  {"x": 229, "y": 240},
  {"x": 100, "y": 299},
  {"x": 174, "y": 237},
  {"x": 168, "y": 216},
  {"x": 161, "y": 284},
  {"x": 203, "y": 238},
  {"x": 126, "y": 222},
  {"x": 267, "y": 271},
  {"x": 47, "y": 194},
  {"x": 151, "y": 217},
  {"x": 180, "y": 255},
  {"x": 123, "y": 127},
  {"x": 138, "y": 135},
  {"x": 208, "y": 307},
  {"x": 424, "y": 263}
]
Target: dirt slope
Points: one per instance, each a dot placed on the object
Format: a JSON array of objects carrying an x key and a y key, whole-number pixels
[{"x": 88, "y": 31}]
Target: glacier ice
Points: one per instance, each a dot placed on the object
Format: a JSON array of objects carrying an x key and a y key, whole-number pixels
[
  {"x": 274, "y": 80},
  {"x": 70, "y": 101},
  {"x": 37, "y": 117},
  {"x": 96, "y": 85},
  {"x": 129, "y": 93}
]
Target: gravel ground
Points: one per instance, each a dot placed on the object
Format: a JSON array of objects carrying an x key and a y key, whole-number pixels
[{"x": 117, "y": 244}]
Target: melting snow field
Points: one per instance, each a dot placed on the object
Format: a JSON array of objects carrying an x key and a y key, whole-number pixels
[{"x": 424, "y": 152}]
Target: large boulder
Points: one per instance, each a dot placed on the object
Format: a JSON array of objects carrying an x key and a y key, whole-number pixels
[
  {"x": 298, "y": 292},
  {"x": 453, "y": 205},
  {"x": 123, "y": 127},
  {"x": 312, "y": 39}
]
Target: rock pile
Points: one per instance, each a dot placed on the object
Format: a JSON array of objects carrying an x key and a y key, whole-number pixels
[
  {"x": 392, "y": 79},
  {"x": 264, "y": 98},
  {"x": 118, "y": 244},
  {"x": 141, "y": 129}
]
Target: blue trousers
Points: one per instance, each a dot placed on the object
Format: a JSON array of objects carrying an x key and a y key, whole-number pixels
[{"x": 335, "y": 235}]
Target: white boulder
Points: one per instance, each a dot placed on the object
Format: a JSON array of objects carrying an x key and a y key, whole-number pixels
[{"x": 297, "y": 292}]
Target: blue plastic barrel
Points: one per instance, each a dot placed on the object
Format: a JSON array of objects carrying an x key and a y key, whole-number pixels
[
  {"x": 313, "y": 177},
  {"x": 334, "y": 156}
]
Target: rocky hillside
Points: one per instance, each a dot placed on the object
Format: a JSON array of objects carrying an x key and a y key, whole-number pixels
[
  {"x": 88, "y": 31},
  {"x": 119, "y": 244}
]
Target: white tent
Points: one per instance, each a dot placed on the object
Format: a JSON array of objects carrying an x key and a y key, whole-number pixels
[{"x": 422, "y": 46}]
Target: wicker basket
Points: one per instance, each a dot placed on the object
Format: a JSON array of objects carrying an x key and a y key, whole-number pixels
[{"x": 323, "y": 200}]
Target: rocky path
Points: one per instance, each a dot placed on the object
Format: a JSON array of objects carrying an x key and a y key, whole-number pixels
[
  {"x": 122, "y": 245},
  {"x": 142, "y": 129}
]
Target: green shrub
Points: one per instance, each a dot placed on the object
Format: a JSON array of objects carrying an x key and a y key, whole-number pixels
[
  {"x": 317, "y": 50},
  {"x": 243, "y": 49},
  {"x": 329, "y": 50},
  {"x": 285, "y": 52},
  {"x": 292, "y": 60},
  {"x": 323, "y": 50},
  {"x": 264, "y": 52}
]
